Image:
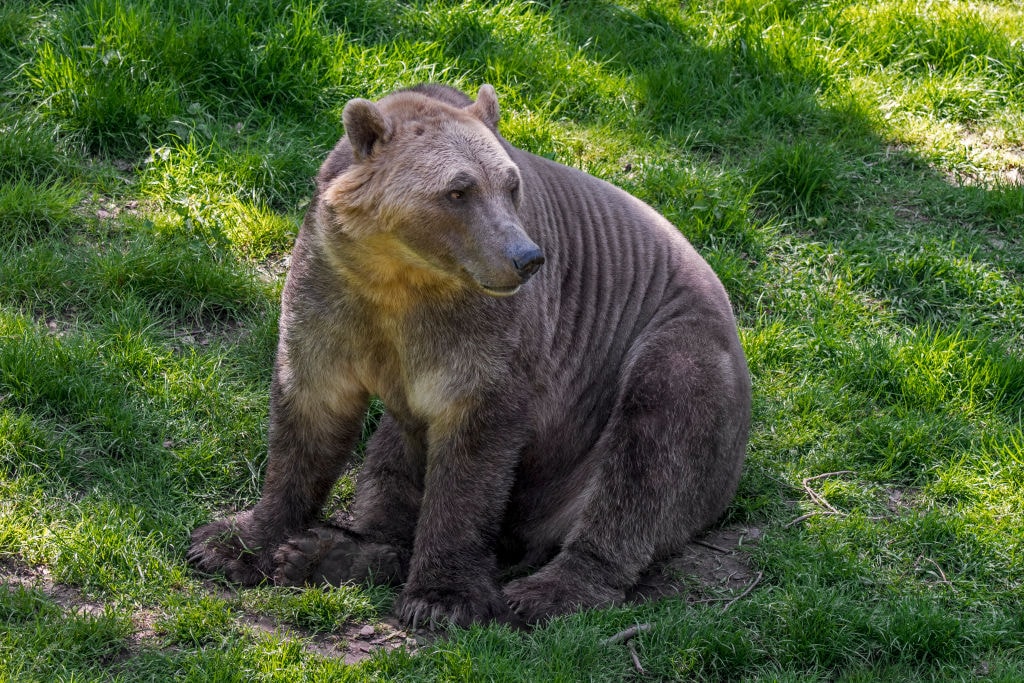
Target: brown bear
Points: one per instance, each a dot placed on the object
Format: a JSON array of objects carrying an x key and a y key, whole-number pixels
[{"x": 566, "y": 396}]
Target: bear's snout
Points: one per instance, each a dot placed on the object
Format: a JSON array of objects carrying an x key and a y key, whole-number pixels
[
  {"x": 515, "y": 263},
  {"x": 527, "y": 261}
]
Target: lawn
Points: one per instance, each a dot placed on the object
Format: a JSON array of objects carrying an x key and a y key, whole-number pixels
[{"x": 852, "y": 169}]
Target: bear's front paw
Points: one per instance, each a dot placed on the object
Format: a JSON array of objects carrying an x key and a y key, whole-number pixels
[
  {"x": 549, "y": 593},
  {"x": 435, "y": 607},
  {"x": 229, "y": 547},
  {"x": 329, "y": 555}
]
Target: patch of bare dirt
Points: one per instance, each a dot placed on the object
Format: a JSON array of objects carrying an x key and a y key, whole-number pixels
[
  {"x": 1004, "y": 161},
  {"x": 107, "y": 208},
  {"x": 274, "y": 268},
  {"x": 57, "y": 325},
  {"x": 898, "y": 500},
  {"x": 911, "y": 214},
  {"x": 201, "y": 336},
  {"x": 363, "y": 641},
  {"x": 351, "y": 642},
  {"x": 15, "y": 574},
  {"x": 712, "y": 567}
]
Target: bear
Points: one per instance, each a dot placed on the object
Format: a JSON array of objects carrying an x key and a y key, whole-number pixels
[{"x": 566, "y": 397}]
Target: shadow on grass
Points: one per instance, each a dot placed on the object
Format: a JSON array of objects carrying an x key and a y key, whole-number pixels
[{"x": 811, "y": 216}]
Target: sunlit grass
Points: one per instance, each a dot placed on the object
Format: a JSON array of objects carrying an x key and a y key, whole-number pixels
[{"x": 850, "y": 169}]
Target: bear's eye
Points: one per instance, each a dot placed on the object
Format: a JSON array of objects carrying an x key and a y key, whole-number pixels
[{"x": 456, "y": 195}]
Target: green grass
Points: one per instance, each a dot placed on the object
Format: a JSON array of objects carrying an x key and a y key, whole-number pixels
[{"x": 851, "y": 169}]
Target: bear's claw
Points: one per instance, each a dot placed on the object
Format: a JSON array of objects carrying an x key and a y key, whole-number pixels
[
  {"x": 547, "y": 594},
  {"x": 434, "y": 608},
  {"x": 224, "y": 548}
]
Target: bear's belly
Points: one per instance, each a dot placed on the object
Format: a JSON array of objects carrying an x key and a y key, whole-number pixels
[{"x": 549, "y": 494}]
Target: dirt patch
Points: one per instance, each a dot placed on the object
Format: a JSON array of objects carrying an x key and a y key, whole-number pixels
[
  {"x": 911, "y": 214},
  {"x": 351, "y": 642},
  {"x": 900, "y": 500},
  {"x": 15, "y": 574},
  {"x": 273, "y": 268},
  {"x": 363, "y": 641},
  {"x": 57, "y": 325},
  {"x": 712, "y": 567},
  {"x": 201, "y": 336},
  {"x": 105, "y": 208},
  {"x": 1003, "y": 160}
]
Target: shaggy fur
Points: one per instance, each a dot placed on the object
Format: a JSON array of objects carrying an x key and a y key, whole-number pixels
[{"x": 566, "y": 392}]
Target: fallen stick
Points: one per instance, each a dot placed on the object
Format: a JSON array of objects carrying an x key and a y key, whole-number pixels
[
  {"x": 810, "y": 514},
  {"x": 634, "y": 656},
  {"x": 941, "y": 573},
  {"x": 828, "y": 474},
  {"x": 626, "y": 634},
  {"x": 745, "y": 593},
  {"x": 717, "y": 548},
  {"x": 818, "y": 498},
  {"x": 936, "y": 565}
]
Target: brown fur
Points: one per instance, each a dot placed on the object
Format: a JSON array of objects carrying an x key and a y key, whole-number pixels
[{"x": 576, "y": 424}]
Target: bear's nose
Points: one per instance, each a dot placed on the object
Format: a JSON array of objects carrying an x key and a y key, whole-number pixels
[{"x": 528, "y": 261}]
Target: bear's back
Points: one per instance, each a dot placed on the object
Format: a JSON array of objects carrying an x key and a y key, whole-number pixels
[{"x": 613, "y": 262}]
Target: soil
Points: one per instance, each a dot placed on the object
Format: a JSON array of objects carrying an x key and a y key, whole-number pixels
[{"x": 714, "y": 567}]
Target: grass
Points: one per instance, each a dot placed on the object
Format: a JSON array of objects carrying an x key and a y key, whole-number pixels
[{"x": 851, "y": 169}]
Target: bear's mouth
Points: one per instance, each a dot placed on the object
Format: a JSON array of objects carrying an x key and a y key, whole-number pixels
[{"x": 500, "y": 291}]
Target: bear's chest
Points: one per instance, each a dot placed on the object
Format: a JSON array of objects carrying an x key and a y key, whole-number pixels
[{"x": 427, "y": 375}]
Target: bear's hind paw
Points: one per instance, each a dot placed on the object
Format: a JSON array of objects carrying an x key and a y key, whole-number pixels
[
  {"x": 540, "y": 596},
  {"x": 333, "y": 556}
]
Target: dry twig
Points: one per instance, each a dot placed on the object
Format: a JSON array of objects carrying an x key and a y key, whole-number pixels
[
  {"x": 745, "y": 593},
  {"x": 937, "y": 567},
  {"x": 626, "y": 634},
  {"x": 941, "y": 573},
  {"x": 714, "y": 547},
  {"x": 635, "y": 657},
  {"x": 818, "y": 498},
  {"x": 812, "y": 513}
]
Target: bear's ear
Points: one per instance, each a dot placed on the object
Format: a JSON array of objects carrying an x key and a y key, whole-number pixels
[
  {"x": 364, "y": 125},
  {"x": 486, "y": 106}
]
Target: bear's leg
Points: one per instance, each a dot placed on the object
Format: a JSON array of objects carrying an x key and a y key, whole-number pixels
[
  {"x": 376, "y": 544},
  {"x": 471, "y": 465},
  {"x": 665, "y": 467},
  {"x": 315, "y": 421}
]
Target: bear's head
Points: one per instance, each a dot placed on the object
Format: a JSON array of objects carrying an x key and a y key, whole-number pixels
[{"x": 430, "y": 194}]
